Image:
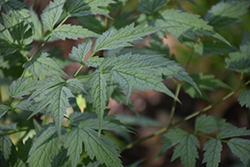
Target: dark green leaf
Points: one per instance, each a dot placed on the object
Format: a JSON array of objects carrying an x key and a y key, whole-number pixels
[
  {"x": 216, "y": 47},
  {"x": 76, "y": 83},
  {"x": 93, "y": 23},
  {"x": 3, "y": 109},
  {"x": 228, "y": 130},
  {"x": 240, "y": 148},
  {"x": 5, "y": 145},
  {"x": 244, "y": 98},
  {"x": 212, "y": 155},
  {"x": 206, "y": 124},
  {"x": 150, "y": 6}
]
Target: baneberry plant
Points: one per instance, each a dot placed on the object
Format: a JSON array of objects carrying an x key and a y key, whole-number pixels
[{"x": 37, "y": 84}]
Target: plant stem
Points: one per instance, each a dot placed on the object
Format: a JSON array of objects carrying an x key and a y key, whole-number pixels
[{"x": 79, "y": 69}]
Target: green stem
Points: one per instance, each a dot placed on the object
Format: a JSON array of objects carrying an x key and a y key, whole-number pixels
[
  {"x": 79, "y": 69},
  {"x": 208, "y": 137}
]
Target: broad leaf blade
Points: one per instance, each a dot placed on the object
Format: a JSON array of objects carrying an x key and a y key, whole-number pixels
[
  {"x": 216, "y": 47},
  {"x": 240, "y": 148},
  {"x": 80, "y": 52},
  {"x": 112, "y": 39},
  {"x": 3, "y": 109},
  {"x": 76, "y": 83},
  {"x": 51, "y": 13},
  {"x": 212, "y": 155},
  {"x": 150, "y": 6},
  {"x": 206, "y": 124},
  {"x": 72, "y": 32},
  {"x": 94, "y": 62},
  {"x": 243, "y": 98}
]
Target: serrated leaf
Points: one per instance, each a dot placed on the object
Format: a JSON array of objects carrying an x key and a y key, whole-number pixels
[
  {"x": 204, "y": 82},
  {"x": 3, "y": 109},
  {"x": 45, "y": 147},
  {"x": 8, "y": 127},
  {"x": 206, "y": 124},
  {"x": 52, "y": 13},
  {"x": 37, "y": 26},
  {"x": 61, "y": 160},
  {"x": 98, "y": 93},
  {"x": 240, "y": 148},
  {"x": 216, "y": 47},
  {"x": 113, "y": 39},
  {"x": 42, "y": 66},
  {"x": 122, "y": 20},
  {"x": 22, "y": 87},
  {"x": 93, "y": 23},
  {"x": 5, "y": 145},
  {"x": 243, "y": 98},
  {"x": 72, "y": 32},
  {"x": 94, "y": 62},
  {"x": 212, "y": 155},
  {"x": 178, "y": 23},
  {"x": 80, "y": 52},
  {"x": 228, "y": 130},
  {"x": 150, "y": 6},
  {"x": 76, "y": 83},
  {"x": 82, "y": 8},
  {"x": 226, "y": 13}
]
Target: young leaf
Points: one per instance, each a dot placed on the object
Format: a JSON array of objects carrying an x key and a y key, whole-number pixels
[
  {"x": 240, "y": 148},
  {"x": 243, "y": 98},
  {"x": 178, "y": 23},
  {"x": 112, "y": 39},
  {"x": 80, "y": 52},
  {"x": 226, "y": 13},
  {"x": 150, "y": 6},
  {"x": 206, "y": 124},
  {"x": 204, "y": 82},
  {"x": 51, "y": 13},
  {"x": 72, "y": 32},
  {"x": 3, "y": 109},
  {"x": 212, "y": 155},
  {"x": 240, "y": 61},
  {"x": 22, "y": 87},
  {"x": 5, "y": 145},
  {"x": 82, "y": 8},
  {"x": 98, "y": 93},
  {"x": 42, "y": 66}
]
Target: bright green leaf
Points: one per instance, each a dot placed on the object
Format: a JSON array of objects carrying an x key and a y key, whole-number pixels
[
  {"x": 52, "y": 13},
  {"x": 212, "y": 155},
  {"x": 206, "y": 124},
  {"x": 150, "y": 6},
  {"x": 240, "y": 148},
  {"x": 42, "y": 66},
  {"x": 244, "y": 98},
  {"x": 72, "y": 32},
  {"x": 80, "y": 52},
  {"x": 3, "y": 109},
  {"x": 113, "y": 39}
]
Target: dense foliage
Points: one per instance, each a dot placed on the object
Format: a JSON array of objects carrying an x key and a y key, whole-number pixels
[{"x": 37, "y": 84}]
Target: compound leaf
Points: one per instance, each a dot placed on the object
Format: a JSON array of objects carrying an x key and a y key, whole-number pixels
[
  {"x": 42, "y": 66},
  {"x": 52, "y": 13},
  {"x": 150, "y": 6},
  {"x": 226, "y": 13},
  {"x": 22, "y": 87},
  {"x": 98, "y": 93},
  {"x": 72, "y": 32},
  {"x": 212, "y": 155},
  {"x": 82, "y": 8},
  {"x": 113, "y": 39},
  {"x": 228, "y": 130},
  {"x": 3, "y": 109},
  {"x": 244, "y": 98},
  {"x": 240, "y": 148},
  {"x": 206, "y": 124},
  {"x": 178, "y": 23},
  {"x": 80, "y": 52}
]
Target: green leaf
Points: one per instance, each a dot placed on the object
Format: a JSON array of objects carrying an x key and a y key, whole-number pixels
[
  {"x": 206, "y": 124},
  {"x": 42, "y": 66},
  {"x": 52, "y": 13},
  {"x": 82, "y": 8},
  {"x": 61, "y": 160},
  {"x": 8, "y": 127},
  {"x": 45, "y": 147},
  {"x": 122, "y": 20},
  {"x": 76, "y": 83},
  {"x": 94, "y": 62},
  {"x": 81, "y": 51},
  {"x": 216, "y": 47},
  {"x": 5, "y": 145},
  {"x": 113, "y": 39},
  {"x": 212, "y": 155},
  {"x": 228, "y": 130},
  {"x": 226, "y": 13},
  {"x": 177, "y": 23},
  {"x": 72, "y": 32},
  {"x": 150, "y": 6},
  {"x": 240, "y": 148},
  {"x": 240, "y": 61},
  {"x": 22, "y": 87},
  {"x": 204, "y": 82},
  {"x": 37, "y": 26},
  {"x": 3, "y": 109},
  {"x": 243, "y": 98},
  {"x": 93, "y": 23},
  {"x": 98, "y": 93}
]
